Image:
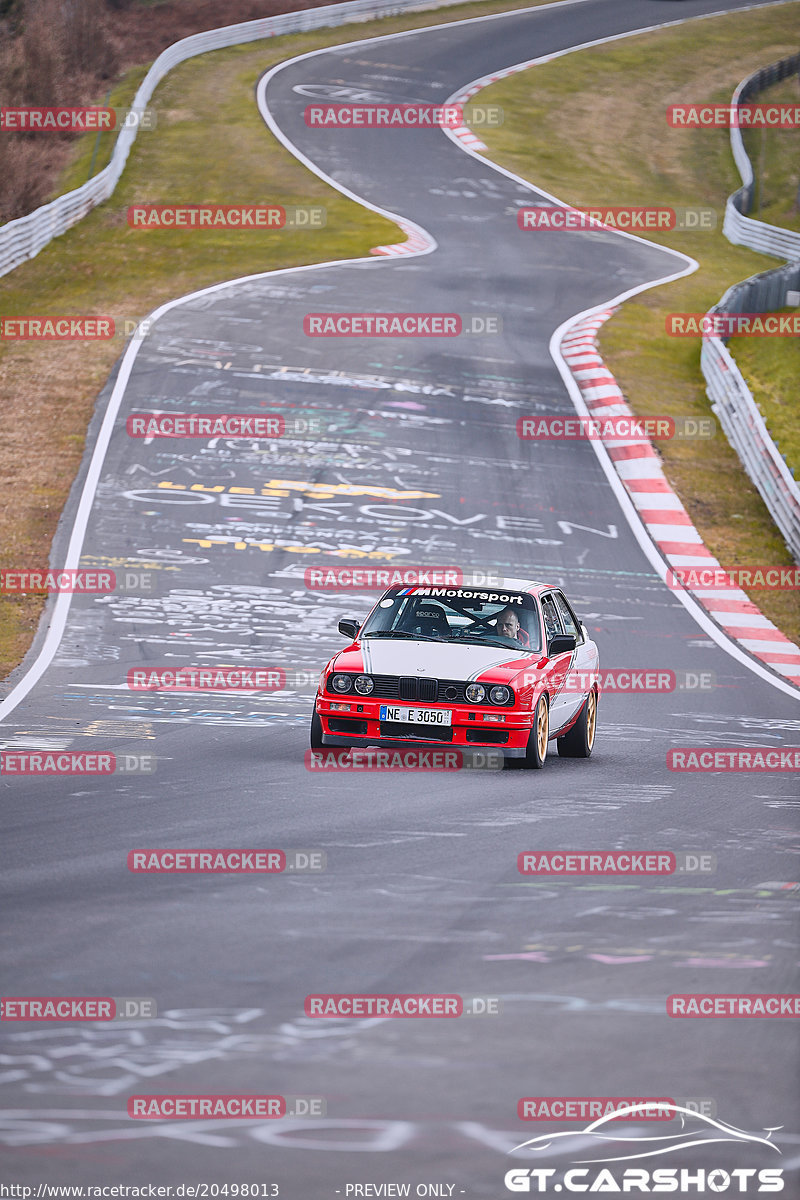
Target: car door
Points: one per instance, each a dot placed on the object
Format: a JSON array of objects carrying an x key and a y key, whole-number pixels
[
  {"x": 562, "y": 702},
  {"x": 583, "y": 661}
]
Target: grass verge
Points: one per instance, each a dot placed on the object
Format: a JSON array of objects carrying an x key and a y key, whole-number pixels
[
  {"x": 591, "y": 129},
  {"x": 771, "y": 367},
  {"x": 775, "y": 155}
]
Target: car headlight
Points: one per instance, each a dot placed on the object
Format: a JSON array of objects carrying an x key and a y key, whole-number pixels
[
  {"x": 364, "y": 685},
  {"x": 500, "y": 695},
  {"x": 342, "y": 683},
  {"x": 475, "y": 693}
]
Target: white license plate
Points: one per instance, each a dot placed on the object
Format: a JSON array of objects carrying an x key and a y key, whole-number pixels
[{"x": 417, "y": 716}]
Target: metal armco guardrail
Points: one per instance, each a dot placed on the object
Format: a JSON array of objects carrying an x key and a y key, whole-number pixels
[
  {"x": 24, "y": 237},
  {"x": 731, "y": 399},
  {"x": 733, "y": 405},
  {"x": 738, "y": 227}
]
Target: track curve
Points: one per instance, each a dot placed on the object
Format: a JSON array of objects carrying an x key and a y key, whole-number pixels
[{"x": 419, "y": 462}]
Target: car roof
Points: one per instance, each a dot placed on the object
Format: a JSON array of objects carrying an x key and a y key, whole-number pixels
[
  {"x": 521, "y": 585},
  {"x": 498, "y": 584}
]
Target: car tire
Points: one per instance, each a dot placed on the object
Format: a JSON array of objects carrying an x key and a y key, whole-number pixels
[
  {"x": 316, "y": 731},
  {"x": 536, "y": 752},
  {"x": 579, "y": 742}
]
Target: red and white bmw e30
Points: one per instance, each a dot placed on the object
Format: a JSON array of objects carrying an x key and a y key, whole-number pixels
[{"x": 508, "y": 668}]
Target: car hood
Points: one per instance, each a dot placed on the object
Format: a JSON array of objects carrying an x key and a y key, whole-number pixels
[{"x": 432, "y": 660}]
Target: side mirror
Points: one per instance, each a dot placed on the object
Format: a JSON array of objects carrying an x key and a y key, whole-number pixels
[
  {"x": 562, "y": 643},
  {"x": 350, "y": 628}
]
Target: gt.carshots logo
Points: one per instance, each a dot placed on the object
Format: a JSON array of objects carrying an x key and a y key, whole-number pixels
[
  {"x": 677, "y": 1180},
  {"x": 601, "y": 1151}
]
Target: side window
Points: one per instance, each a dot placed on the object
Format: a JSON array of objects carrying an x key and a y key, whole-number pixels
[
  {"x": 552, "y": 624},
  {"x": 567, "y": 617}
]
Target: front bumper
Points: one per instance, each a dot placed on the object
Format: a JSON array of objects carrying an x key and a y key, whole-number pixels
[{"x": 359, "y": 724}]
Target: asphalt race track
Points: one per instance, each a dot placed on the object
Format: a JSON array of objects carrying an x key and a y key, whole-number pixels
[{"x": 418, "y": 462}]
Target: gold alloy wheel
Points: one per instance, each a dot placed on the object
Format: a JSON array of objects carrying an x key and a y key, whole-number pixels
[
  {"x": 591, "y": 719},
  {"x": 542, "y": 728}
]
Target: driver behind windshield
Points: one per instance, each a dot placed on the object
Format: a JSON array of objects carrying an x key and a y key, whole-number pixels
[{"x": 508, "y": 626}]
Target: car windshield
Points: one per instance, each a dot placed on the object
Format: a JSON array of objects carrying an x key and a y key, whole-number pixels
[{"x": 472, "y": 616}]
